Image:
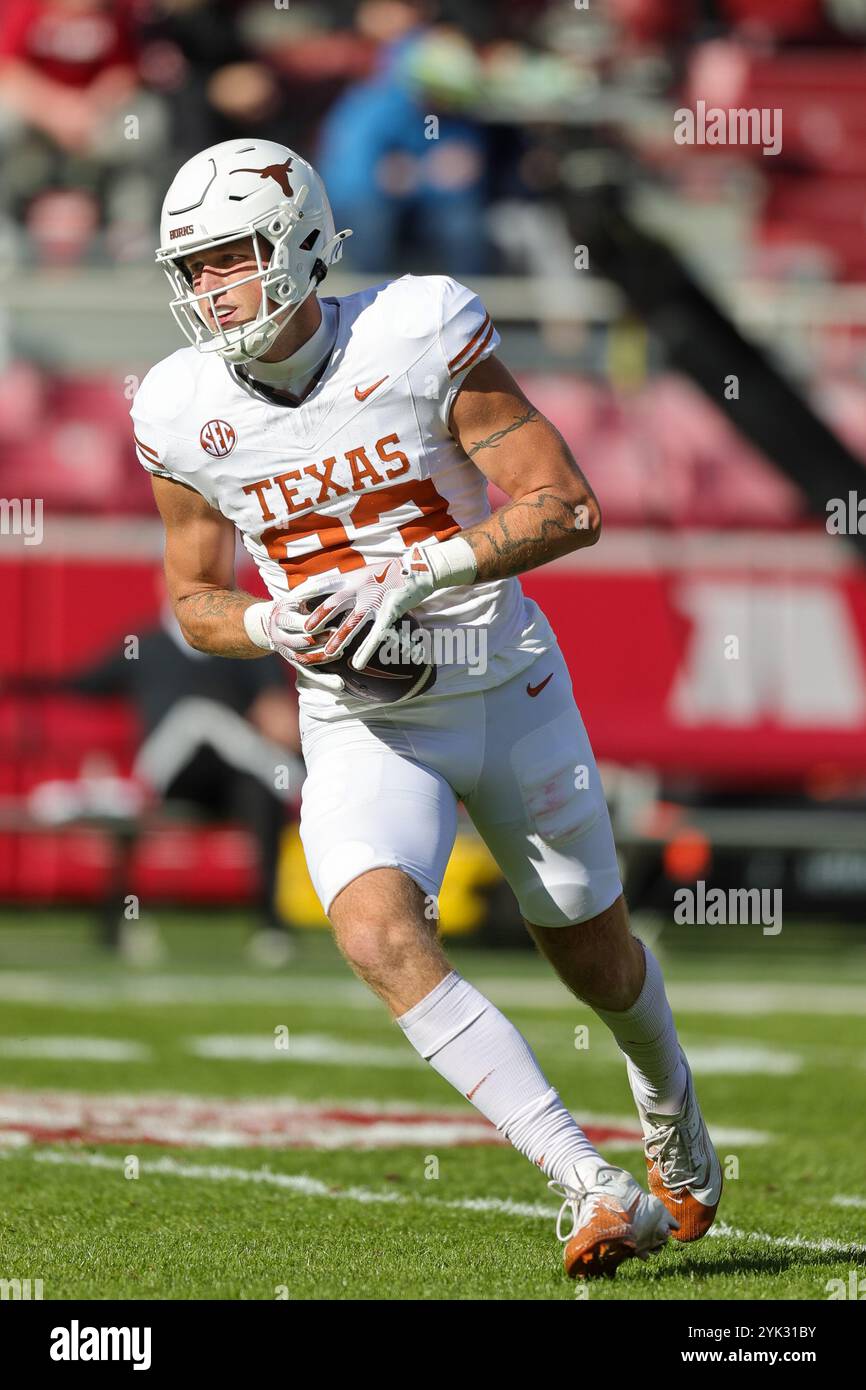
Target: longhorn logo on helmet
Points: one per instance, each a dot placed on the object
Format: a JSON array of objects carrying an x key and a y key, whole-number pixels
[{"x": 278, "y": 172}]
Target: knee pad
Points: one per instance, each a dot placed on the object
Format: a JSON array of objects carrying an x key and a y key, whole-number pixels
[{"x": 550, "y": 903}]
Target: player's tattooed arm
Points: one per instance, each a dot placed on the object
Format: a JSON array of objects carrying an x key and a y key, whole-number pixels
[
  {"x": 524, "y": 534},
  {"x": 213, "y": 621},
  {"x": 200, "y": 572},
  {"x": 492, "y": 441},
  {"x": 553, "y": 509}
]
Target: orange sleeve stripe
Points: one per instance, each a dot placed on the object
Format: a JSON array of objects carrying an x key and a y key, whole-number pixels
[
  {"x": 452, "y": 365},
  {"x": 477, "y": 353},
  {"x": 146, "y": 450}
]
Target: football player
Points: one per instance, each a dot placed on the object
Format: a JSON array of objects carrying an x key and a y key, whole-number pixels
[{"x": 350, "y": 441}]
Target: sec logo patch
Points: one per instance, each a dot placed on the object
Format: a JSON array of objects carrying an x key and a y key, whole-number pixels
[{"x": 218, "y": 438}]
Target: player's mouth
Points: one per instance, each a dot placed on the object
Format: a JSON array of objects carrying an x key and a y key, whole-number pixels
[{"x": 225, "y": 313}]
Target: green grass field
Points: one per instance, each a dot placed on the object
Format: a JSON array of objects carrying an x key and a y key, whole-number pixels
[{"x": 144, "y": 1117}]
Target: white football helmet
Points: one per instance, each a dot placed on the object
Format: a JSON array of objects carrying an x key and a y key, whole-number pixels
[{"x": 252, "y": 188}]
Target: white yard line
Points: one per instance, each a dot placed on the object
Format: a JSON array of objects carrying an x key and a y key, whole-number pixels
[
  {"x": 147, "y": 991},
  {"x": 302, "y": 1047},
  {"x": 306, "y": 1186},
  {"x": 733, "y": 997},
  {"x": 699, "y": 997},
  {"x": 708, "y": 1058},
  {"x": 75, "y": 1049},
  {"x": 825, "y": 1246},
  {"x": 840, "y": 1201},
  {"x": 718, "y": 1059},
  {"x": 742, "y": 1059},
  {"x": 301, "y": 1183}
]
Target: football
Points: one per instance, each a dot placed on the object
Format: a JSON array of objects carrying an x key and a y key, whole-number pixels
[{"x": 399, "y": 670}]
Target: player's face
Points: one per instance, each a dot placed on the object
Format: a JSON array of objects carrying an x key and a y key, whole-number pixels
[{"x": 218, "y": 270}]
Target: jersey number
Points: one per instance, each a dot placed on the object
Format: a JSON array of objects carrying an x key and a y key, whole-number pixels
[{"x": 336, "y": 551}]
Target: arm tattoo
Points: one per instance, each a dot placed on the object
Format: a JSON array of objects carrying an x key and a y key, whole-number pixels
[
  {"x": 215, "y": 618},
  {"x": 493, "y": 439},
  {"x": 524, "y": 534},
  {"x": 215, "y": 603}
]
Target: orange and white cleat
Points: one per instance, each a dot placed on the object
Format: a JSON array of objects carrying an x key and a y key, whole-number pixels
[
  {"x": 684, "y": 1170},
  {"x": 613, "y": 1220}
]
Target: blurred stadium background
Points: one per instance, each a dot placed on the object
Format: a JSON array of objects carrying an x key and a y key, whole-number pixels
[{"x": 692, "y": 317}]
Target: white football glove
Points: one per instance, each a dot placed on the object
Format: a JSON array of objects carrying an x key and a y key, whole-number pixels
[
  {"x": 278, "y": 626},
  {"x": 381, "y": 594}
]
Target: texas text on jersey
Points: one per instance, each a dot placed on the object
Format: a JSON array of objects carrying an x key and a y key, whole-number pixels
[{"x": 363, "y": 467}]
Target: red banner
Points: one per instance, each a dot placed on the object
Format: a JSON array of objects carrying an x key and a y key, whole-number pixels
[{"x": 738, "y": 656}]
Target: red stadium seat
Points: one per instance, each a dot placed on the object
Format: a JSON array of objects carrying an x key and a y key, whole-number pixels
[
  {"x": 646, "y": 21},
  {"x": 782, "y": 19},
  {"x": 822, "y": 97},
  {"x": 823, "y": 212},
  {"x": 74, "y": 435},
  {"x": 665, "y": 455}
]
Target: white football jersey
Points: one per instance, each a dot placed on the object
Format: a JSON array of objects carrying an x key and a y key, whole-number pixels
[{"x": 361, "y": 469}]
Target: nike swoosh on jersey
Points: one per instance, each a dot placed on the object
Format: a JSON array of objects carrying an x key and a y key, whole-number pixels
[
  {"x": 537, "y": 689},
  {"x": 362, "y": 395}
]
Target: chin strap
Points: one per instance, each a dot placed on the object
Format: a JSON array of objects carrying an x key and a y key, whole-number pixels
[{"x": 240, "y": 355}]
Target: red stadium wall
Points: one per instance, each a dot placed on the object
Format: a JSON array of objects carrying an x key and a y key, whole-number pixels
[
  {"x": 642, "y": 619},
  {"x": 660, "y": 683}
]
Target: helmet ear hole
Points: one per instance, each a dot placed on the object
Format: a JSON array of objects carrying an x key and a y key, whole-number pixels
[{"x": 264, "y": 193}]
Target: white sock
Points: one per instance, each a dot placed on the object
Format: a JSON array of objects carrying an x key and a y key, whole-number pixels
[
  {"x": 469, "y": 1042},
  {"x": 647, "y": 1034}
]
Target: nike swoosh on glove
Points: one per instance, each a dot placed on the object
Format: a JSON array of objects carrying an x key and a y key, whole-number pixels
[{"x": 380, "y": 595}]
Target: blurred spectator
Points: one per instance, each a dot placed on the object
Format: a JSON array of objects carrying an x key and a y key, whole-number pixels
[
  {"x": 401, "y": 164},
  {"x": 194, "y": 53},
  {"x": 66, "y": 64},
  {"x": 75, "y": 129}
]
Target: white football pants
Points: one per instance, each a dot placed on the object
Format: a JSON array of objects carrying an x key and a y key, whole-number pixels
[{"x": 383, "y": 792}]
